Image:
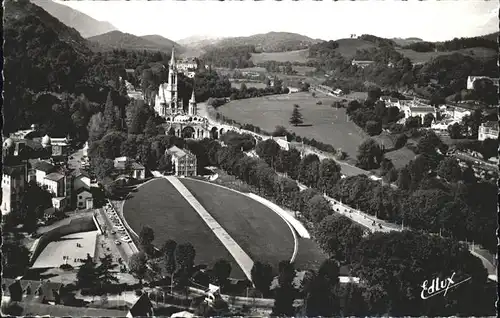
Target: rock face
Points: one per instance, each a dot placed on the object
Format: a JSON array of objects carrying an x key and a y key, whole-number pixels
[{"x": 85, "y": 25}]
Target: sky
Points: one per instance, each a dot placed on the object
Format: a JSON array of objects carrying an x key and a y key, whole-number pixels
[{"x": 430, "y": 20}]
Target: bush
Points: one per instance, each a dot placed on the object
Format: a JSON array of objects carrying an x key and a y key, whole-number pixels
[{"x": 66, "y": 267}]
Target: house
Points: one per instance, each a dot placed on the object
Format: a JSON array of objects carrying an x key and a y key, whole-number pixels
[
  {"x": 417, "y": 109},
  {"x": 59, "y": 147},
  {"x": 44, "y": 292},
  {"x": 84, "y": 199},
  {"x": 362, "y": 64},
  {"x": 390, "y": 101},
  {"x": 458, "y": 114},
  {"x": 488, "y": 130},
  {"x": 40, "y": 169},
  {"x": 338, "y": 92},
  {"x": 282, "y": 141},
  {"x": 130, "y": 167},
  {"x": 472, "y": 79},
  {"x": 59, "y": 184},
  {"x": 142, "y": 307},
  {"x": 183, "y": 161},
  {"x": 212, "y": 294},
  {"x": 13, "y": 185},
  {"x": 82, "y": 179}
]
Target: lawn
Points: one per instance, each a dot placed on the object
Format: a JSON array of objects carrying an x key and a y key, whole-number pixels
[
  {"x": 260, "y": 232},
  {"x": 158, "y": 204},
  {"x": 237, "y": 84},
  {"x": 400, "y": 157},
  {"x": 422, "y": 57},
  {"x": 321, "y": 122},
  {"x": 290, "y": 56}
]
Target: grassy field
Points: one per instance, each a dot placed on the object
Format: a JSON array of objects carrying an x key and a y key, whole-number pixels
[
  {"x": 248, "y": 84},
  {"x": 309, "y": 255},
  {"x": 158, "y": 204},
  {"x": 321, "y": 122},
  {"x": 400, "y": 157},
  {"x": 290, "y": 56},
  {"x": 348, "y": 47},
  {"x": 260, "y": 232},
  {"x": 422, "y": 57}
]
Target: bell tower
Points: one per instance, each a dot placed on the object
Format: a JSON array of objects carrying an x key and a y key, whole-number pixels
[{"x": 172, "y": 83}]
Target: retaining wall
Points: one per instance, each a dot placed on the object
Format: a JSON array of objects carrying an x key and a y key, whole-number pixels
[{"x": 83, "y": 224}]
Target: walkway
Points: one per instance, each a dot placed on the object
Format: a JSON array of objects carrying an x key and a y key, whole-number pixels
[{"x": 243, "y": 260}]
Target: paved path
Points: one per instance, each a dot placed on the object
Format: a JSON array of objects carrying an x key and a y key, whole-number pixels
[{"x": 236, "y": 251}]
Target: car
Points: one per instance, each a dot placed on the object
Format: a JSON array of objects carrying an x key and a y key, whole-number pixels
[
  {"x": 113, "y": 232},
  {"x": 118, "y": 242}
]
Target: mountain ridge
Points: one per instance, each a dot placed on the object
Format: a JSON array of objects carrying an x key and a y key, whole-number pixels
[
  {"x": 83, "y": 23},
  {"x": 127, "y": 41}
]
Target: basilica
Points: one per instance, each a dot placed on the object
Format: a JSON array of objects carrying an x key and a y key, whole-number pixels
[{"x": 169, "y": 106}]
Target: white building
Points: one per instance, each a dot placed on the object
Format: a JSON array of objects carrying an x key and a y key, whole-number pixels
[
  {"x": 84, "y": 199},
  {"x": 362, "y": 64},
  {"x": 488, "y": 130},
  {"x": 127, "y": 166},
  {"x": 282, "y": 141},
  {"x": 391, "y": 101},
  {"x": 183, "y": 161},
  {"x": 416, "y": 109},
  {"x": 13, "y": 185}
]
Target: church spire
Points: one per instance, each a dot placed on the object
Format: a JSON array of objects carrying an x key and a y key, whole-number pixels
[
  {"x": 172, "y": 59},
  {"x": 193, "y": 100}
]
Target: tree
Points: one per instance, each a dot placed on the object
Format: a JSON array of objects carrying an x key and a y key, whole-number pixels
[
  {"x": 185, "y": 255},
  {"x": 150, "y": 129},
  {"x": 262, "y": 276},
  {"x": 369, "y": 155},
  {"x": 468, "y": 175},
  {"x": 317, "y": 209},
  {"x": 321, "y": 300},
  {"x": 221, "y": 271},
  {"x": 96, "y": 127},
  {"x": 170, "y": 263},
  {"x": 373, "y": 128},
  {"x": 401, "y": 140},
  {"x": 296, "y": 118},
  {"x": 428, "y": 119},
  {"x": 105, "y": 270},
  {"x": 329, "y": 175},
  {"x": 87, "y": 275},
  {"x": 146, "y": 238},
  {"x": 15, "y": 256},
  {"x": 489, "y": 148},
  {"x": 285, "y": 293},
  {"x": 449, "y": 170},
  {"x": 110, "y": 116},
  {"x": 138, "y": 266},
  {"x": 404, "y": 179},
  {"x": 455, "y": 131}
]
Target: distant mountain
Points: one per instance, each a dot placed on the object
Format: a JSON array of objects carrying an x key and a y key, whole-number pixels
[
  {"x": 407, "y": 41},
  {"x": 161, "y": 41},
  {"x": 86, "y": 25},
  {"x": 127, "y": 41},
  {"x": 271, "y": 42},
  {"x": 491, "y": 37},
  {"x": 198, "y": 41}
]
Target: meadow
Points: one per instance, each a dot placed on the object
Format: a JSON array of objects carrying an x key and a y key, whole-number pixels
[
  {"x": 159, "y": 205},
  {"x": 290, "y": 56},
  {"x": 260, "y": 232},
  {"x": 321, "y": 122}
]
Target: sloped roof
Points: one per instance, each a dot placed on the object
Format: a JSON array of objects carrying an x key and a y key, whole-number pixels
[
  {"x": 83, "y": 190},
  {"x": 176, "y": 152},
  {"x": 491, "y": 124},
  {"x": 54, "y": 176},
  {"x": 13, "y": 170},
  {"x": 142, "y": 307},
  {"x": 43, "y": 166}
]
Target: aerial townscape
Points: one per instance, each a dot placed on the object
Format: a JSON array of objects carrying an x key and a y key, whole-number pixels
[{"x": 272, "y": 174}]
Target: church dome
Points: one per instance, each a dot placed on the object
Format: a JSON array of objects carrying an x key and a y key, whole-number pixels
[
  {"x": 46, "y": 140},
  {"x": 8, "y": 143}
]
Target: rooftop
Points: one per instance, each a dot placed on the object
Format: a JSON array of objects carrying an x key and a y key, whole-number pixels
[
  {"x": 176, "y": 152},
  {"x": 491, "y": 124},
  {"x": 13, "y": 170},
  {"x": 54, "y": 176},
  {"x": 42, "y": 166}
]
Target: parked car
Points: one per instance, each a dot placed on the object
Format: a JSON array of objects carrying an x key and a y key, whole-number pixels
[{"x": 118, "y": 242}]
